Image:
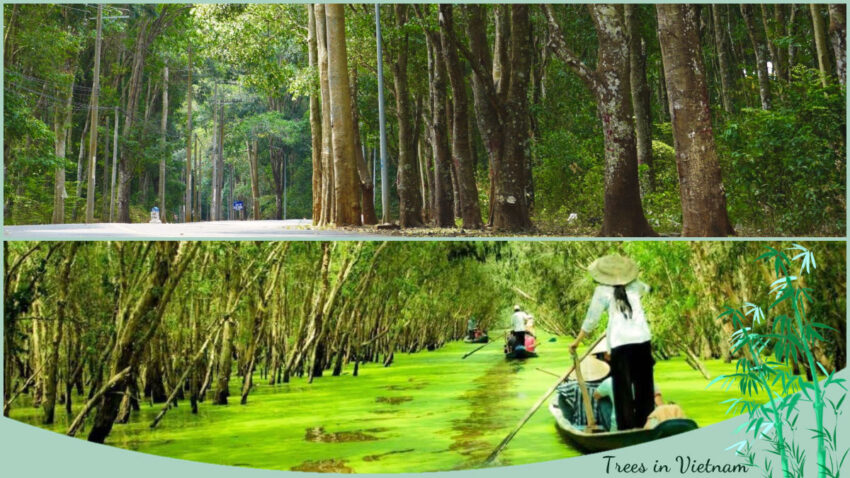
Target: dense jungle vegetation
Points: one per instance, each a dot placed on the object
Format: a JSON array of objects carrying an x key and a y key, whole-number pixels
[{"x": 571, "y": 119}]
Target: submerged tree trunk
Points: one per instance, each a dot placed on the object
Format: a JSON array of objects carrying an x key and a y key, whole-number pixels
[
  {"x": 51, "y": 365},
  {"x": 139, "y": 318},
  {"x": 700, "y": 182},
  {"x": 225, "y": 365}
]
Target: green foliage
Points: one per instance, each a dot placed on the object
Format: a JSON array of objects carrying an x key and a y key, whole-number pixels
[
  {"x": 662, "y": 205},
  {"x": 770, "y": 353},
  {"x": 784, "y": 168}
]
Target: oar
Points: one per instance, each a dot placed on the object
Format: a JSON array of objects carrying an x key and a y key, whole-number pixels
[
  {"x": 585, "y": 396},
  {"x": 477, "y": 349},
  {"x": 547, "y": 372},
  {"x": 536, "y": 406}
]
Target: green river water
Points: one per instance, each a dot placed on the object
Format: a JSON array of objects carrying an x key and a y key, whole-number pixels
[{"x": 429, "y": 411}]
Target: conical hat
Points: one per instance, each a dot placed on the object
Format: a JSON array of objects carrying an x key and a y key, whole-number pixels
[
  {"x": 613, "y": 270},
  {"x": 601, "y": 348},
  {"x": 592, "y": 370}
]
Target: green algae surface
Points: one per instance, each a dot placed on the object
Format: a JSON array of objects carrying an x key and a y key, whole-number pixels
[{"x": 429, "y": 411}]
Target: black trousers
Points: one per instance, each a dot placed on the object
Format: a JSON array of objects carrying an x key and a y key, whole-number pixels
[
  {"x": 519, "y": 338},
  {"x": 634, "y": 388}
]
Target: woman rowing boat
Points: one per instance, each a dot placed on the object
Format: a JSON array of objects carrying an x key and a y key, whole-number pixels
[{"x": 628, "y": 337}]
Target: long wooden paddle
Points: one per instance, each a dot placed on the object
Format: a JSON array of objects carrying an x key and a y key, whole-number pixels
[
  {"x": 585, "y": 396},
  {"x": 477, "y": 349},
  {"x": 536, "y": 406}
]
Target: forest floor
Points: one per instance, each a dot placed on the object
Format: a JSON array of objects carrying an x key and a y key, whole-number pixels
[{"x": 428, "y": 411}]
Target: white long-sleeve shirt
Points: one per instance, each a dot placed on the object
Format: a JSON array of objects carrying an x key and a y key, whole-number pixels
[
  {"x": 518, "y": 321},
  {"x": 620, "y": 331}
]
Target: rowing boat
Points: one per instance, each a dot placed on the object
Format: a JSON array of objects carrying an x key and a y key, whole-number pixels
[
  {"x": 477, "y": 340},
  {"x": 520, "y": 353},
  {"x": 603, "y": 441}
]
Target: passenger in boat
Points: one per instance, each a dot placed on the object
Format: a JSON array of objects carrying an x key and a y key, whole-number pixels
[
  {"x": 606, "y": 389},
  {"x": 663, "y": 411},
  {"x": 471, "y": 326},
  {"x": 530, "y": 342},
  {"x": 518, "y": 327},
  {"x": 529, "y": 326},
  {"x": 628, "y": 337}
]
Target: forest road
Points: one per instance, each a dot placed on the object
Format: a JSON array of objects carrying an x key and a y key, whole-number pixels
[{"x": 298, "y": 229}]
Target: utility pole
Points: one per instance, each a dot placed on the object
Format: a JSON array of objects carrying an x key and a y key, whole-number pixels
[
  {"x": 187, "y": 201},
  {"x": 163, "y": 130},
  {"x": 90, "y": 192},
  {"x": 284, "y": 187},
  {"x": 385, "y": 190},
  {"x": 114, "y": 168}
]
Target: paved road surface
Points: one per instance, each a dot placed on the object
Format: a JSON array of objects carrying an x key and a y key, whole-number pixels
[{"x": 298, "y": 229}]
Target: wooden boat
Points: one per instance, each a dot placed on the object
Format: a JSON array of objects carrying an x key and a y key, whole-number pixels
[
  {"x": 520, "y": 353},
  {"x": 604, "y": 441},
  {"x": 478, "y": 340}
]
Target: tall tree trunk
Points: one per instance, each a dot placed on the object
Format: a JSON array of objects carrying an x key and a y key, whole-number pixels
[
  {"x": 95, "y": 95},
  {"x": 502, "y": 113},
  {"x": 104, "y": 193},
  {"x": 163, "y": 129},
  {"x": 410, "y": 197},
  {"x": 640, "y": 93},
  {"x": 78, "y": 189},
  {"x": 780, "y": 32},
  {"x": 114, "y": 167},
  {"x": 367, "y": 185},
  {"x": 792, "y": 48},
  {"x": 511, "y": 212},
  {"x": 133, "y": 90},
  {"x": 610, "y": 83},
  {"x": 255, "y": 178},
  {"x": 443, "y": 201},
  {"x": 770, "y": 41},
  {"x": 760, "y": 51},
  {"x": 327, "y": 134},
  {"x": 700, "y": 182},
  {"x": 219, "y": 169},
  {"x": 838, "y": 38},
  {"x": 820, "y": 42},
  {"x": 215, "y": 194},
  {"x": 315, "y": 118},
  {"x": 346, "y": 177},
  {"x": 722, "y": 47}
]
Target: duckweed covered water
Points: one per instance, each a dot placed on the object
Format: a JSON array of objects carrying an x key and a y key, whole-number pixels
[{"x": 429, "y": 411}]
